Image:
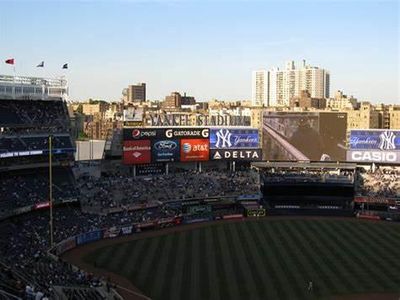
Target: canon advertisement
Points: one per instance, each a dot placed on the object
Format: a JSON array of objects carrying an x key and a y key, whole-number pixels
[
  {"x": 379, "y": 146},
  {"x": 236, "y": 154},
  {"x": 226, "y": 138},
  {"x": 304, "y": 136}
]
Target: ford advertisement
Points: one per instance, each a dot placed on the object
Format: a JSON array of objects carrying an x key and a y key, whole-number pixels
[
  {"x": 165, "y": 151},
  {"x": 227, "y": 138}
]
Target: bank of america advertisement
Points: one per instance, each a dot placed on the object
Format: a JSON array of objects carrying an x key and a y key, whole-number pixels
[
  {"x": 382, "y": 146},
  {"x": 227, "y": 138}
]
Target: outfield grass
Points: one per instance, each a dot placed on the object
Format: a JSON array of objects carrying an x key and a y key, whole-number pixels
[{"x": 261, "y": 259}]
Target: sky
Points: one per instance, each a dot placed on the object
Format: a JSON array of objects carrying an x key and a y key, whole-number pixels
[{"x": 207, "y": 49}]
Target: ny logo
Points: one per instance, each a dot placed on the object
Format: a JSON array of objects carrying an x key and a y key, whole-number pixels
[
  {"x": 223, "y": 138},
  {"x": 387, "y": 141}
]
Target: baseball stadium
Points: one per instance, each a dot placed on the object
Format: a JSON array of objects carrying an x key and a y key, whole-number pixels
[{"x": 293, "y": 209}]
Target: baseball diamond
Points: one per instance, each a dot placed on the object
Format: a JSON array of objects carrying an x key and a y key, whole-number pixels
[{"x": 267, "y": 258}]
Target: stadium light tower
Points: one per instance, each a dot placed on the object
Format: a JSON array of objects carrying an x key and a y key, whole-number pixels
[{"x": 51, "y": 191}]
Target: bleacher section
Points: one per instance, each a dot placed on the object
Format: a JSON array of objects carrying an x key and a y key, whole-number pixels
[
  {"x": 17, "y": 146},
  {"x": 30, "y": 188},
  {"x": 304, "y": 188},
  {"x": 15, "y": 114}
]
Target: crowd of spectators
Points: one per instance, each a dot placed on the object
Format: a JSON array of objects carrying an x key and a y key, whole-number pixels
[
  {"x": 10, "y": 144},
  {"x": 119, "y": 191},
  {"x": 31, "y": 114},
  {"x": 24, "y": 239},
  {"x": 31, "y": 187},
  {"x": 24, "y": 242},
  {"x": 381, "y": 182}
]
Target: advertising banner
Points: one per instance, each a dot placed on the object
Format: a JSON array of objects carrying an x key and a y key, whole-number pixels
[
  {"x": 198, "y": 220},
  {"x": 194, "y": 150},
  {"x": 66, "y": 245},
  {"x": 187, "y": 133},
  {"x": 42, "y": 205},
  {"x": 136, "y": 152},
  {"x": 135, "y": 134},
  {"x": 133, "y": 114},
  {"x": 88, "y": 237},
  {"x": 256, "y": 212},
  {"x": 384, "y": 140},
  {"x": 111, "y": 232},
  {"x": 376, "y": 156},
  {"x": 150, "y": 169},
  {"x": 236, "y": 154},
  {"x": 227, "y": 138},
  {"x": 165, "y": 150},
  {"x": 126, "y": 230}
]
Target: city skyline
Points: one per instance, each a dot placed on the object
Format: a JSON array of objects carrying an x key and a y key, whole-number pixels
[{"x": 206, "y": 50}]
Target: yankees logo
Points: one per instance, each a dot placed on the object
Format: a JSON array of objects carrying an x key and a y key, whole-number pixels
[
  {"x": 387, "y": 141},
  {"x": 223, "y": 138}
]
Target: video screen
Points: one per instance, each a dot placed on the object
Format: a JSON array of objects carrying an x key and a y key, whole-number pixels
[{"x": 316, "y": 136}]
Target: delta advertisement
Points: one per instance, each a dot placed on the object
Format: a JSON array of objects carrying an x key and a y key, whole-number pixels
[
  {"x": 226, "y": 138},
  {"x": 236, "y": 154},
  {"x": 317, "y": 136},
  {"x": 379, "y": 146}
]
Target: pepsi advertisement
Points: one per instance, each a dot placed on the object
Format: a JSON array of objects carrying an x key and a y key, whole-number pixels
[
  {"x": 227, "y": 138},
  {"x": 165, "y": 151},
  {"x": 384, "y": 140}
]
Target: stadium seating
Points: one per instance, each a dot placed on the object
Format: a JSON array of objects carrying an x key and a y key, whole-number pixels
[
  {"x": 30, "y": 187},
  {"x": 32, "y": 114}
]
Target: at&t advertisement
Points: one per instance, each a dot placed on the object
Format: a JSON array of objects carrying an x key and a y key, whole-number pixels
[{"x": 195, "y": 150}]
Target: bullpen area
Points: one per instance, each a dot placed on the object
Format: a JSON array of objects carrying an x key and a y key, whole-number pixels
[{"x": 266, "y": 258}]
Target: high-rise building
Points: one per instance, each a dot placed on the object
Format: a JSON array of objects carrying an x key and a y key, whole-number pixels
[
  {"x": 366, "y": 117},
  {"x": 260, "y": 88},
  {"x": 283, "y": 85},
  {"x": 341, "y": 102},
  {"x": 394, "y": 115},
  {"x": 173, "y": 101},
  {"x": 134, "y": 93}
]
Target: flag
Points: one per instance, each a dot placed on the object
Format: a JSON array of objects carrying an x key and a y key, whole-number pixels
[
  {"x": 41, "y": 65},
  {"x": 10, "y": 61},
  {"x": 65, "y": 66}
]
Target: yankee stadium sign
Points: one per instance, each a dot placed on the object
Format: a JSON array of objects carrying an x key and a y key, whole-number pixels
[
  {"x": 227, "y": 138},
  {"x": 178, "y": 119}
]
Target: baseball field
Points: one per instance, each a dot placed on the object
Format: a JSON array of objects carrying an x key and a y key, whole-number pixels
[{"x": 261, "y": 259}]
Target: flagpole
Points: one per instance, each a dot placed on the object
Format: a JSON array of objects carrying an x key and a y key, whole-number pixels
[{"x": 51, "y": 191}]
